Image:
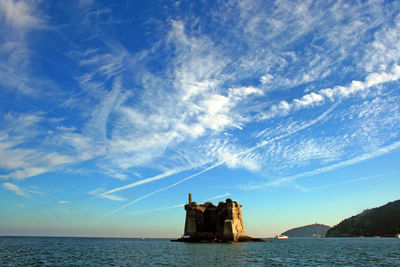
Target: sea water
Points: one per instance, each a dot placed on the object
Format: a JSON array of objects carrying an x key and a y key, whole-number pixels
[{"x": 62, "y": 251}]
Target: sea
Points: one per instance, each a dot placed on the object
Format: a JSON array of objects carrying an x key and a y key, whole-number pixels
[{"x": 73, "y": 251}]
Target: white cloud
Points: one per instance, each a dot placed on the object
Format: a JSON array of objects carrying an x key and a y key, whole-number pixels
[
  {"x": 14, "y": 188},
  {"x": 25, "y": 173},
  {"x": 99, "y": 192},
  {"x": 18, "y": 19},
  {"x": 66, "y": 129},
  {"x": 101, "y": 66},
  {"x": 240, "y": 92},
  {"x": 374, "y": 79},
  {"x": 202, "y": 93},
  {"x": 233, "y": 156},
  {"x": 114, "y": 197},
  {"x": 303, "y": 151},
  {"x": 198, "y": 102},
  {"x": 21, "y": 163},
  {"x": 197, "y": 64},
  {"x": 96, "y": 128},
  {"x": 18, "y": 124},
  {"x": 384, "y": 51},
  {"x": 139, "y": 135},
  {"x": 19, "y": 14},
  {"x": 267, "y": 78},
  {"x": 219, "y": 163},
  {"x": 333, "y": 94},
  {"x": 358, "y": 130},
  {"x": 381, "y": 151}
]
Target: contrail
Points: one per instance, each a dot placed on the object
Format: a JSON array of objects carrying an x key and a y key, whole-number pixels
[
  {"x": 349, "y": 181},
  {"x": 152, "y": 179},
  {"x": 367, "y": 156},
  {"x": 152, "y": 210},
  {"x": 262, "y": 144},
  {"x": 224, "y": 195},
  {"x": 172, "y": 207},
  {"x": 165, "y": 188}
]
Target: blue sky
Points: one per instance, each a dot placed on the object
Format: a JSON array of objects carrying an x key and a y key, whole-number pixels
[{"x": 111, "y": 113}]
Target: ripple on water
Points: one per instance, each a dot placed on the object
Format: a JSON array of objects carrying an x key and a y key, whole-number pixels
[{"x": 41, "y": 251}]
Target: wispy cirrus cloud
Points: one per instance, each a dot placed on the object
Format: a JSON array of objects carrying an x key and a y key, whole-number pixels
[
  {"x": 19, "y": 19},
  {"x": 139, "y": 135},
  {"x": 227, "y": 158},
  {"x": 99, "y": 192},
  {"x": 22, "y": 162},
  {"x": 218, "y": 163},
  {"x": 20, "y": 14},
  {"x": 15, "y": 189},
  {"x": 383, "y": 51},
  {"x": 204, "y": 92},
  {"x": 381, "y": 151}
]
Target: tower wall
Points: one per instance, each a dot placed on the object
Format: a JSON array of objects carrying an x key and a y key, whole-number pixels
[{"x": 209, "y": 221}]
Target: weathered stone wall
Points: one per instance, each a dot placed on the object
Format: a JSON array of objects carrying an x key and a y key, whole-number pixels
[{"x": 209, "y": 221}]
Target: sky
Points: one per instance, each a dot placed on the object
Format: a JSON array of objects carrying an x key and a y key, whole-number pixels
[{"x": 112, "y": 112}]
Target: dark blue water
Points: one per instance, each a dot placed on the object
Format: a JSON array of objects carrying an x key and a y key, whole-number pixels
[{"x": 54, "y": 251}]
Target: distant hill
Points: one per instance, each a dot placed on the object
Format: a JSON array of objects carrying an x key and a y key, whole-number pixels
[
  {"x": 308, "y": 231},
  {"x": 381, "y": 221}
]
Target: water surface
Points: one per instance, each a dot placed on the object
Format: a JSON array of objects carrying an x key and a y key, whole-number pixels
[{"x": 61, "y": 251}]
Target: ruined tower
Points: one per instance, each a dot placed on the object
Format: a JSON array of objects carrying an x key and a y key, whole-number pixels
[{"x": 207, "y": 221}]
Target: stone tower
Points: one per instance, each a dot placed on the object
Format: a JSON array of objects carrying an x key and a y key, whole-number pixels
[{"x": 207, "y": 221}]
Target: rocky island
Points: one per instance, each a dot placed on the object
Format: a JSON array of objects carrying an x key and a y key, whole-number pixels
[
  {"x": 382, "y": 221},
  {"x": 207, "y": 223}
]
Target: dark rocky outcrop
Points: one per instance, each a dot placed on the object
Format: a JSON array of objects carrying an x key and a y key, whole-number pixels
[
  {"x": 312, "y": 230},
  {"x": 382, "y": 221}
]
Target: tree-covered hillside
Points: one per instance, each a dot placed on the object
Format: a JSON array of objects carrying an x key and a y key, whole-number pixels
[{"x": 381, "y": 221}]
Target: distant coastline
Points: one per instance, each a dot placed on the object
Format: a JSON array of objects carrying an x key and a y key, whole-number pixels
[
  {"x": 311, "y": 230},
  {"x": 383, "y": 221},
  {"x": 94, "y": 237}
]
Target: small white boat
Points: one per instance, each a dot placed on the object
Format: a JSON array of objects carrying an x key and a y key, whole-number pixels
[
  {"x": 281, "y": 237},
  {"x": 316, "y": 236},
  {"x": 398, "y": 235}
]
